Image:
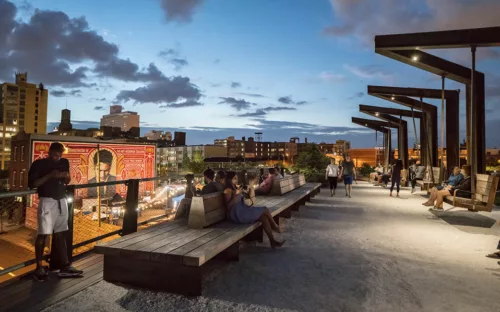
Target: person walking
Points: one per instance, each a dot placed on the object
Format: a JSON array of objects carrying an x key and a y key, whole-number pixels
[
  {"x": 50, "y": 177},
  {"x": 396, "y": 176},
  {"x": 348, "y": 174},
  {"x": 332, "y": 175}
]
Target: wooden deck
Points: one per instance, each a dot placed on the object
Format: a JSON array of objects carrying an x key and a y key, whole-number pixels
[{"x": 27, "y": 295}]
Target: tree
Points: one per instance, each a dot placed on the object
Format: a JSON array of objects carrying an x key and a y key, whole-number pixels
[
  {"x": 195, "y": 165},
  {"x": 312, "y": 163}
]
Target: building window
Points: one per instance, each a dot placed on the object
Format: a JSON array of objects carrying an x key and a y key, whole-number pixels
[
  {"x": 14, "y": 173},
  {"x": 21, "y": 178},
  {"x": 15, "y": 154},
  {"x": 36, "y": 117},
  {"x": 36, "y": 124},
  {"x": 36, "y": 130},
  {"x": 36, "y": 111},
  {"x": 36, "y": 105},
  {"x": 22, "y": 153}
]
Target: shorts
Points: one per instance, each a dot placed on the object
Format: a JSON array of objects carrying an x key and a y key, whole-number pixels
[
  {"x": 348, "y": 179},
  {"x": 50, "y": 218}
]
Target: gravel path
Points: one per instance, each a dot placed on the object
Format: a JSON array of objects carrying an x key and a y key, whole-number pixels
[{"x": 367, "y": 253}]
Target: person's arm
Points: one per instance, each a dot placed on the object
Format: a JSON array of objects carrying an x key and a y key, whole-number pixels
[
  {"x": 231, "y": 196},
  {"x": 34, "y": 179},
  {"x": 67, "y": 178}
]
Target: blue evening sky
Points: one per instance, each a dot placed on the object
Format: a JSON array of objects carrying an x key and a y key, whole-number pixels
[{"x": 318, "y": 52}]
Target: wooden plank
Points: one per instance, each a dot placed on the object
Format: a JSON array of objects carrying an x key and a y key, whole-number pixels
[
  {"x": 484, "y": 184},
  {"x": 200, "y": 255},
  {"x": 27, "y": 287},
  {"x": 215, "y": 216},
  {"x": 176, "y": 255},
  {"x": 145, "y": 252},
  {"x": 138, "y": 233},
  {"x": 214, "y": 203},
  {"x": 42, "y": 291},
  {"x": 130, "y": 250},
  {"x": 160, "y": 254},
  {"x": 484, "y": 177}
]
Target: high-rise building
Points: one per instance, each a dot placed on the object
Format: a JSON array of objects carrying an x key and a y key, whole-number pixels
[
  {"x": 23, "y": 107},
  {"x": 119, "y": 118}
]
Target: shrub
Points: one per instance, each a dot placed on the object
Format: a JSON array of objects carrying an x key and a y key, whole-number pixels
[{"x": 366, "y": 169}]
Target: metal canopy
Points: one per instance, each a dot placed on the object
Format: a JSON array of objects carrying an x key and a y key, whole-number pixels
[
  {"x": 462, "y": 38},
  {"x": 406, "y": 48},
  {"x": 381, "y": 127},
  {"x": 401, "y": 96},
  {"x": 390, "y": 111},
  {"x": 402, "y": 126}
]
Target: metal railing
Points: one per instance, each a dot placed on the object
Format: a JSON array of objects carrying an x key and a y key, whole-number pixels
[{"x": 121, "y": 208}]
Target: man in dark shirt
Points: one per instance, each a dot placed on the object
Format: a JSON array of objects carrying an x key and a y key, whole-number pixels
[
  {"x": 348, "y": 173},
  {"x": 50, "y": 176},
  {"x": 210, "y": 185}
]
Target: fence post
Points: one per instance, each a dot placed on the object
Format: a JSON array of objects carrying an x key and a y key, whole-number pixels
[
  {"x": 131, "y": 205},
  {"x": 70, "y": 198}
]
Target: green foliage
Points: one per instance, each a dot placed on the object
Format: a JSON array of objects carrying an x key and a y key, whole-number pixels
[
  {"x": 195, "y": 165},
  {"x": 366, "y": 169},
  {"x": 312, "y": 163}
]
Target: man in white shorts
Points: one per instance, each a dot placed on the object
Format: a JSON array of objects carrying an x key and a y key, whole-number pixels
[
  {"x": 50, "y": 177},
  {"x": 332, "y": 175}
]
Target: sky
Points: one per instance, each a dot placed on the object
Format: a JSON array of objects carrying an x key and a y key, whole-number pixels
[{"x": 215, "y": 68}]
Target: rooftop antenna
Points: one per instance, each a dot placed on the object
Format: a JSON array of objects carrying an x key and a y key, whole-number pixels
[{"x": 66, "y": 102}]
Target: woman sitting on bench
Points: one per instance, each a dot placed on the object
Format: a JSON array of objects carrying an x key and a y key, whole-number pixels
[
  {"x": 239, "y": 212},
  {"x": 265, "y": 187},
  {"x": 463, "y": 189}
]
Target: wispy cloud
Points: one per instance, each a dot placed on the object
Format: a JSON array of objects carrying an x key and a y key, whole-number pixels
[
  {"x": 235, "y": 85},
  {"x": 237, "y": 104},
  {"x": 288, "y": 100},
  {"x": 370, "y": 72}
]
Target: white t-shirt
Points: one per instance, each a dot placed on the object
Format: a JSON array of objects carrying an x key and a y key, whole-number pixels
[{"x": 332, "y": 170}]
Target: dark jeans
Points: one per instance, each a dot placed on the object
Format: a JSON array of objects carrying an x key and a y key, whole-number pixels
[
  {"x": 333, "y": 182},
  {"x": 397, "y": 182},
  {"x": 413, "y": 183},
  {"x": 385, "y": 178}
]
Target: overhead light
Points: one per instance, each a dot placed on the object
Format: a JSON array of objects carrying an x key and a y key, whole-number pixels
[
  {"x": 377, "y": 114},
  {"x": 393, "y": 97},
  {"x": 415, "y": 58},
  {"x": 366, "y": 125}
]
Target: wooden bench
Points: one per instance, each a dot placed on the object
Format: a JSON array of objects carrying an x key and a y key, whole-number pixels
[
  {"x": 428, "y": 183},
  {"x": 484, "y": 197},
  {"x": 206, "y": 210},
  {"x": 287, "y": 184},
  {"x": 171, "y": 256}
]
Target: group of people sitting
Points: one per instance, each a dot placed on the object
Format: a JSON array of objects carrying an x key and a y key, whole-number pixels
[
  {"x": 240, "y": 198},
  {"x": 458, "y": 184}
]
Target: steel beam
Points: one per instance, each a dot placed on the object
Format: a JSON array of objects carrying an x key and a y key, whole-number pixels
[
  {"x": 402, "y": 133},
  {"x": 412, "y": 55},
  {"x": 381, "y": 127},
  {"x": 390, "y": 111},
  {"x": 402, "y": 96},
  {"x": 462, "y": 38}
]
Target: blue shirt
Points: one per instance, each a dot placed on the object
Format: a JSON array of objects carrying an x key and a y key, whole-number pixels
[{"x": 453, "y": 180}]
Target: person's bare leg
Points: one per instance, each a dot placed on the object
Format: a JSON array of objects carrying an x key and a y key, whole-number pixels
[
  {"x": 432, "y": 199},
  {"x": 440, "y": 198},
  {"x": 39, "y": 247},
  {"x": 273, "y": 224},
  {"x": 266, "y": 225},
  {"x": 350, "y": 189}
]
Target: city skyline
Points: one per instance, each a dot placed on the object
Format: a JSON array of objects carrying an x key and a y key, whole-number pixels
[{"x": 219, "y": 68}]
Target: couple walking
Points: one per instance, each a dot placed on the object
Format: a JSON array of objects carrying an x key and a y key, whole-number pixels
[{"x": 346, "y": 171}]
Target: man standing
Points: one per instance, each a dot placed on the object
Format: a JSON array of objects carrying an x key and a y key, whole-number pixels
[
  {"x": 332, "y": 175},
  {"x": 50, "y": 176},
  {"x": 348, "y": 174},
  {"x": 210, "y": 185}
]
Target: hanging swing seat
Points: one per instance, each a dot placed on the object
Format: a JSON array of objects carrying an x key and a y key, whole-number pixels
[
  {"x": 431, "y": 179},
  {"x": 484, "y": 197}
]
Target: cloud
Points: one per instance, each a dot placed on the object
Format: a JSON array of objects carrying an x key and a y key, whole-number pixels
[
  {"x": 181, "y": 11},
  {"x": 99, "y": 108},
  {"x": 357, "y": 95},
  {"x": 164, "y": 91},
  {"x": 172, "y": 57},
  {"x": 327, "y": 77},
  {"x": 363, "y": 19},
  {"x": 237, "y": 104},
  {"x": 370, "y": 72},
  {"x": 126, "y": 70},
  {"x": 235, "y": 85},
  {"x": 217, "y": 61},
  {"x": 187, "y": 103},
  {"x": 263, "y": 111},
  {"x": 62, "y": 93},
  {"x": 99, "y": 99},
  {"x": 288, "y": 100},
  {"x": 255, "y": 95}
]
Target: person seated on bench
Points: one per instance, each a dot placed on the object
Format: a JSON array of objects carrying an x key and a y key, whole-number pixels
[
  {"x": 265, "y": 187},
  {"x": 455, "y": 177},
  {"x": 239, "y": 212},
  {"x": 277, "y": 173},
  {"x": 463, "y": 190},
  {"x": 383, "y": 179},
  {"x": 211, "y": 186},
  {"x": 221, "y": 177},
  {"x": 378, "y": 171}
]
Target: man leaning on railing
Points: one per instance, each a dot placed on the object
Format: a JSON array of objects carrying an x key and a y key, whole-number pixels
[{"x": 50, "y": 177}]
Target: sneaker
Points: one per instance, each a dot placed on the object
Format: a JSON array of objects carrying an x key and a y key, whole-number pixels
[
  {"x": 349, "y": 195},
  {"x": 40, "y": 275},
  {"x": 70, "y": 272},
  {"x": 413, "y": 190}
]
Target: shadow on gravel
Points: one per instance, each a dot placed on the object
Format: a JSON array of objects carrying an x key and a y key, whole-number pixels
[{"x": 466, "y": 221}]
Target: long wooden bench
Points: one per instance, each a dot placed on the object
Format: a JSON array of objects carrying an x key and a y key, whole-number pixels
[
  {"x": 428, "y": 182},
  {"x": 484, "y": 197},
  {"x": 287, "y": 184},
  {"x": 171, "y": 256}
]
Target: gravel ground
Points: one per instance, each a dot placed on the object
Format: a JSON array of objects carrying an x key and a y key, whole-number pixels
[{"x": 367, "y": 253}]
